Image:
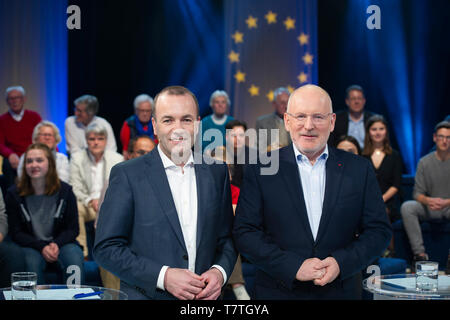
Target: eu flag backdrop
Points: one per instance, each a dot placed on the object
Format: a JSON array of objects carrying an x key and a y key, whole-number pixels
[{"x": 269, "y": 44}]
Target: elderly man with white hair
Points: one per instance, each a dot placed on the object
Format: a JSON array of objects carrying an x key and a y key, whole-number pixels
[
  {"x": 85, "y": 113},
  {"x": 47, "y": 132},
  {"x": 89, "y": 172},
  {"x": 16, "y": 127},
  {"x": 139, "y": 124}
]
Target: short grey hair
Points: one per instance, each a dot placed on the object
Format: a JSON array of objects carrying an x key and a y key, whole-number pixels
[
  {"x": 90, "y": 101},
  {"x": 142, "y": 98},
  {"x": 46, "y": 123},
  {"x": 219, "y": 93},
  {"x": 17, "y": 88},
  {"x": 279, "y": 91},
  {"x": 97, "y": 130}
]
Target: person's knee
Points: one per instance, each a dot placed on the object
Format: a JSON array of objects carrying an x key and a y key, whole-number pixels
[{"x": 410, "y": 208}]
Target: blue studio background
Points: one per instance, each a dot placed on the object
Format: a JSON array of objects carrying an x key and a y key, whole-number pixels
[{"x": 127, "y": 48}]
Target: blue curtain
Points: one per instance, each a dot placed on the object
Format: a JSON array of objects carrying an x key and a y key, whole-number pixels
[{"x": 33, "y": 53}]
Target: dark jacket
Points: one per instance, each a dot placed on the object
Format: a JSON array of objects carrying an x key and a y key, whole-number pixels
[
  {"x": 65, "y": 227},
  {"x": 341, "y": 125}
]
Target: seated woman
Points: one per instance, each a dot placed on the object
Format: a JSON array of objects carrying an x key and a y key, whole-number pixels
[
  {"x": 349, "y": 144},
  {"x": 386, "y": 162},
  {"x": 43, "y": 217}
]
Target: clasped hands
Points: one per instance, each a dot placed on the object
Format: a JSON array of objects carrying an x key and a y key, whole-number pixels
[
  {"x": 186, "y": 285},
  {"x": 319, "y": 271},
  {"x": 50, "y": 252}
]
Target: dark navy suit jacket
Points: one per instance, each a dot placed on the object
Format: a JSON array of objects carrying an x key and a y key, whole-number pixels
[
  {"x": 272, "y": 230},
  {"x": 139, "y": 231}
]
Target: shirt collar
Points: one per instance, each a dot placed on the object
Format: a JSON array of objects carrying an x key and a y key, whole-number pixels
[
  {"x": 359, "y": 121},
  {"x": 168, "y": 163},
  {"x": 92, "y": 158},
  {"x": 16, "y": 116},
  {"x": 301, "y": 157}
]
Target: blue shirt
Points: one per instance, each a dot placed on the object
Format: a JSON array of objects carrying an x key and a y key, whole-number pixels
[
  {"x": 357, "y": 130},
  {"x": 313, "y": 178}
]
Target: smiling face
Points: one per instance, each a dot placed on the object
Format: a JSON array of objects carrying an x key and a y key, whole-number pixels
[
  {"x": 174, "y": 123},
  {"x": 377, "y": 133},
  {"x": 309, "y": 137},
  {"x": 36, "y": 164}
]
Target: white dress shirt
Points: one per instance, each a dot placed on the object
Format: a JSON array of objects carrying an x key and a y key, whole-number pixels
[
  {"x": 97, "y": 171},
  {"x": 183, "y": 187},
  {"x": 313, "y": 179}
]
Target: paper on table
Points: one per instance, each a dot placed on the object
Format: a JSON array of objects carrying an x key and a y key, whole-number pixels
[{"x": 58, "y": 294}]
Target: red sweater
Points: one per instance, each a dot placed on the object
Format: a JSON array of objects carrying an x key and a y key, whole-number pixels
[{"x": 15, "y": 137}]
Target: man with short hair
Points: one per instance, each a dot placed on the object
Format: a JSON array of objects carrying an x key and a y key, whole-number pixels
[
  {"x": 139, "y": 124},
  {"x": 274, "y": 120},
  {"x": 431, "y": 191},
  {"x": 140, "y": 146},
  {"x": 89, "y": 171},
  {"x": 166, "y": 231},
  {"x": 352, "y": 121},
  {"x": 16, "y": 128},
  {"x": 220, "y": 104},
  {"x": 314, "y": 225},
  {"x": 86, "y": 108}
]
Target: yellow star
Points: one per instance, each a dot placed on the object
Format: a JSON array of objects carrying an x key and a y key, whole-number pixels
[
  {"x": 271, "y": 17},
  {"x": 289, "y": 23},
  {"x": 233, "y": 56},
  {"x": 303, "y": 77},
  {"x": 238, "y": 37},
  {"x": 307, "y": 58},
  {"x": 303, "y": 38},
  {"x": 254, "y": 90},
  {"x": 291, "y": 89},
  {"x": 239, "y": 76},
  {"x": 251, "y": 22},
  {"x": 270, "y": 95}
]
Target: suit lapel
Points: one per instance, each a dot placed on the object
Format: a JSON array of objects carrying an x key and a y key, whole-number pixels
[
  {"x": 156, "y": 174},
  {"x": 291, "y": 177},
  {"x": 204, "y": 187},
  {"x": 334, "y": 170}
]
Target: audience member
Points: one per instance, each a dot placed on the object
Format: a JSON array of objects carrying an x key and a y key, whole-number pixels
[
  {"x": 387, "y": 164},
  {"x": 165, "y": 225},
  {"x": 349, "y": 144},
  {"x": 353, "y": 120},
  {"x": 11, "y": 255},
  {"x": 42, "y": 215},
  {"x": 311, "y": 227},
  {"x": 89, "y": 171},
  {"x": 274, "y": 120},
  {"x": 238, "y": 151},
  {"x": 47, "y": 132},
  {"x": 16, "y": 127},
  {"x": 219, "y": 103},
  {"x": 139, "y": 123},
  {"x": 431, "y": 191},
  {"x": 86, "y": 108}
]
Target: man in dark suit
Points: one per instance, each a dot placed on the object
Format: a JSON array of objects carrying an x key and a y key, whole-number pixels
[
  {"x": 166, "y": 231},
  {"x": 314, "y": 225},
  {"x": 351, "y": 122}
]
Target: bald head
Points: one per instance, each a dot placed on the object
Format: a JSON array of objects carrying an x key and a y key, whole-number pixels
[{"x": 308, "y": 93}]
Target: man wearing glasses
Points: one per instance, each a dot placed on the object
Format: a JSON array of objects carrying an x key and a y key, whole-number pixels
[
  {"x": 314, "y": 225},
  {"x": 352, "y": 121},
  {"x": 16, "y": 129},
  {"x": 431, "y": 191}
]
